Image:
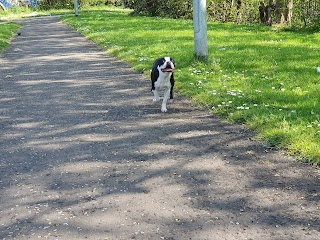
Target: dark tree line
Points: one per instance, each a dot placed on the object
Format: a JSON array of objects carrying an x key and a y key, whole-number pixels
[
  {"x": 293, "y": 12},
  {"x": 280, "y": 10}
]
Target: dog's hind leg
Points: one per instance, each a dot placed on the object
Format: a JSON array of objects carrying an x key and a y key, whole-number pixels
[
  {"x": 171, "y": 95},
  {"x": 172, "y": 85}
]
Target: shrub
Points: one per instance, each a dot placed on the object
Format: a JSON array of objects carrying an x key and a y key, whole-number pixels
[{"x": 161, "y": 8}]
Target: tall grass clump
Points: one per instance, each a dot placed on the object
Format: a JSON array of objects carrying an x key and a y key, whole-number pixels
[{"x": 264, "y": 78}]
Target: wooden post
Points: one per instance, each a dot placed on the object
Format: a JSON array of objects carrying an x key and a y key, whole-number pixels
[{"x": 200, "y": 29}]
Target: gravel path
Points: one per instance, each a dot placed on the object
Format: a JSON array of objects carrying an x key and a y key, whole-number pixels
[{"x": 85, "y": 155}]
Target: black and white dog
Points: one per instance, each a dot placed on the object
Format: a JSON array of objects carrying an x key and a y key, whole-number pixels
[{"x": 162, "y": 78}]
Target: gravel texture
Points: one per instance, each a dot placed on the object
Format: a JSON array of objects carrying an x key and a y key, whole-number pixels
[{"x": 86, "y": 155}]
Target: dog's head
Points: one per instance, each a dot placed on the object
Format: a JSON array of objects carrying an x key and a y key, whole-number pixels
[{"x": 165, "y": 65}]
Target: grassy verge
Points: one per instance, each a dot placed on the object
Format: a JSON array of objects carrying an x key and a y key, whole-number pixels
[
  {"x": 263, "y": 78},
  {"x": 6, "y": 32},
  {"x": 23, "y": 12}
]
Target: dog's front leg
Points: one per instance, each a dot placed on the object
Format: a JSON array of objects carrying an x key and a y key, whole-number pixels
[
  {"x": 156, "y": 97},
  {"x": 165, "y": 99}
]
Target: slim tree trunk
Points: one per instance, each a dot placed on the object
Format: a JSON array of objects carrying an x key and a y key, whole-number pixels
[
  {"x": 283, "y": 11},
  {"x": 279, "y": 11},
  {"x": 288, "y": 11}
]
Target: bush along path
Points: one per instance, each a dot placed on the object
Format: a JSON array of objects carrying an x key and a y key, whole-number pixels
[{"x": 86, "y": 155}]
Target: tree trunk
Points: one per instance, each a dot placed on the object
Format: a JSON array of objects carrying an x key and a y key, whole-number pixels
[
  {"x": 288, "y": 11},
  {"x": 269, "y": 12},
  {"x": 279, "y": 11},
  {"x": 284, "y": 11},
  {"x": 262, "y": 13}
]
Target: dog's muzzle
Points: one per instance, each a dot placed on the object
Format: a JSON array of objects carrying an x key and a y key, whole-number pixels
[{"x": 168, "y": 68}]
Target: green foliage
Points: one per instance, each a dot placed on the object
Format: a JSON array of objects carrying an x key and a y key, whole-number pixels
[
  {"x": 300, "y": 13},
  {"x": 263, "y": 78},
  {"x": 69, "y": 4},
  {"x": 55, "y": 4},
  {"x": 306, "y": 14},
  {"x": 162, "y": 8},
  {"x": 218, "y": 10},
  {"x": 233, "y": 11}
]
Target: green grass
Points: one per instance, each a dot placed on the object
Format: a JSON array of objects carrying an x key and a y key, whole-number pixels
[
  {"x": 23, "y": 12},
  {"x": 6, "y": 32},
  {"x": 257, "y": 76},
  {"x": 261, "y": 77}
]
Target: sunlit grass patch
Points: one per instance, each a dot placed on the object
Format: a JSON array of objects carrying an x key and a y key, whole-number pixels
[
  {"x": 25, "y": 12},
  {"x": 6, "y": 32},
  {"x": 263, "y": 78}
]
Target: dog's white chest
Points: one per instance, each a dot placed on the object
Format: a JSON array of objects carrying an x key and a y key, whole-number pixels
[{"x": 163, "y": 81}]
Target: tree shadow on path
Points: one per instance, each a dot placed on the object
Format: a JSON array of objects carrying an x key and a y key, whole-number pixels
[{"x": 85, "y": 155}]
